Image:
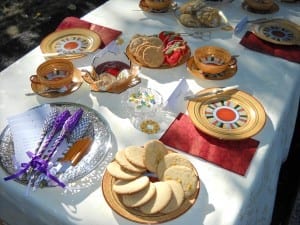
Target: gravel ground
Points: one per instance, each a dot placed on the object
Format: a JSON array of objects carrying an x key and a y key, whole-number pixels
[{"x": 23, "y": 24}]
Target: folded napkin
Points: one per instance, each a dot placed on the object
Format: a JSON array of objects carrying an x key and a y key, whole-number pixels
[
  {"x": 288, "y": 52},
  {"x": 106, "y": 34},
  {"x": 235, "y": 156}
]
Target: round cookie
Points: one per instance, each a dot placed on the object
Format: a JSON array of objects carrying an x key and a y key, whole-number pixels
[
  {"x": 171, "y": 159},
  {"x": 135, "y": 42},
  {"x": 117, "y": 171},
  {"x": 185, "y": 176},
  {"x": 155, "y": 150},
  {"x": 177, "y": 197},
  {"x": 132, "y": 186},
  {"x": 123, "y": 161},
  {"x": 139, "y": 198},
  {"x": 153, "y": 56},
  {"x": 138, "y": 54},
  {"x": 160, "y": 200},
  {"x": 135, "y": 155},
  {"x": 155, "y": 41}
]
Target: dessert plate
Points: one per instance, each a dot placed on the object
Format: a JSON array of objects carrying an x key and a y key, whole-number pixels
[
  {"x": 70, "y": 43},
  {"x": 137, "y": 216},
  {"x": 100, "y": 132},
  {"x": 233, "y": 115},
  {"x": 278, "y": 31},
  {"x": 43, "y": 91}
]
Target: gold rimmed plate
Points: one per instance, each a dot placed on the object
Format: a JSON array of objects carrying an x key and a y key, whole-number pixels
[
  {"x": 70, "y": 43},
  {"x": 43, "y": 90},
  {"x": 195, "y": 71},
  {"x": 278, "y": 31},
  {"x": 233, "y": 115},
  {"x": 137, "y": 216}
]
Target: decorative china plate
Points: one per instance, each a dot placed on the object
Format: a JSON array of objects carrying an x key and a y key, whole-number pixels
[
  {"x": 278, "y": 31},
  {"x": 137, "y": 216},
  {"x": 96, "y": 155},
  {"x": 193, "y": 69},
  {"x": 43, "y": 91},
  {"x": 232, "y": 115},
  {"x": 71, "y": 43}
]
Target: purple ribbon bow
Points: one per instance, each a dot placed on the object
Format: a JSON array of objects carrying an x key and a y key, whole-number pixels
[
  {"x": 38, "y": 164},
  {"x": 66, "y": 124}
]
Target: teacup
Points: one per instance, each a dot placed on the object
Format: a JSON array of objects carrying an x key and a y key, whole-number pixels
[
  {"x": 212, "y": 59},
  {"x": 260, "y": 4},
  {"x": 54, "y": 73},
  {"x": 158, "y": 4}
]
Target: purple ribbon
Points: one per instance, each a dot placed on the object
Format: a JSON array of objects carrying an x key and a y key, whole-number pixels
[
  {"x": 37, "y": 163},
  {"x": 65, "y": 123}
]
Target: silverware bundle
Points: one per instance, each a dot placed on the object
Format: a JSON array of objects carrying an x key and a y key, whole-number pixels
[
  {"x": 215, "y": 91},
  {"x": 56, "y": 128}
]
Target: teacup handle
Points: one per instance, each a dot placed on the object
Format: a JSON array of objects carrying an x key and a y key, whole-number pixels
[{"x": 34, "y": 79}]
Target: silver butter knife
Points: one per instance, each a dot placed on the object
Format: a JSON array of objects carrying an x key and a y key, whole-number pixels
[{"x": 214, "y": 91}]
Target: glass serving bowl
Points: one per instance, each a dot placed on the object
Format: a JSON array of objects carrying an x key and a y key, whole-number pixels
[{"x": 142, "y": 106}]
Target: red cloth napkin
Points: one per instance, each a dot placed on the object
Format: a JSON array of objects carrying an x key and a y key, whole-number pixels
[
  {"x": 235, "y": 156},
  {"x": 288, "y": 52},
  {"x": 106, "y": 34}
]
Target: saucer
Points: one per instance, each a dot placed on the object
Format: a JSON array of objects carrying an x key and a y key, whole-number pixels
[
  {"x": 193, "y": 69},
  {"x": 76, "y": 83},
  {"x": 273, "y": 9}
]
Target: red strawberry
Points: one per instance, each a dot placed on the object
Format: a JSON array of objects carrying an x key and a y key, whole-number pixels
[
  {"x": 173, "y": 58},
  {"x": 173, "y": 45},
  {"x": 172, "y": 38},
  {"x": 164, "y": 34}
]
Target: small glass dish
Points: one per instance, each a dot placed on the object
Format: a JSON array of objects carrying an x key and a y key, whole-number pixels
[{"x": 143, "y": 105}]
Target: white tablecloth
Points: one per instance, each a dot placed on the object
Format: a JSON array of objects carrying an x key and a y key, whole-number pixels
[{"x": 225, "y": 197}]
